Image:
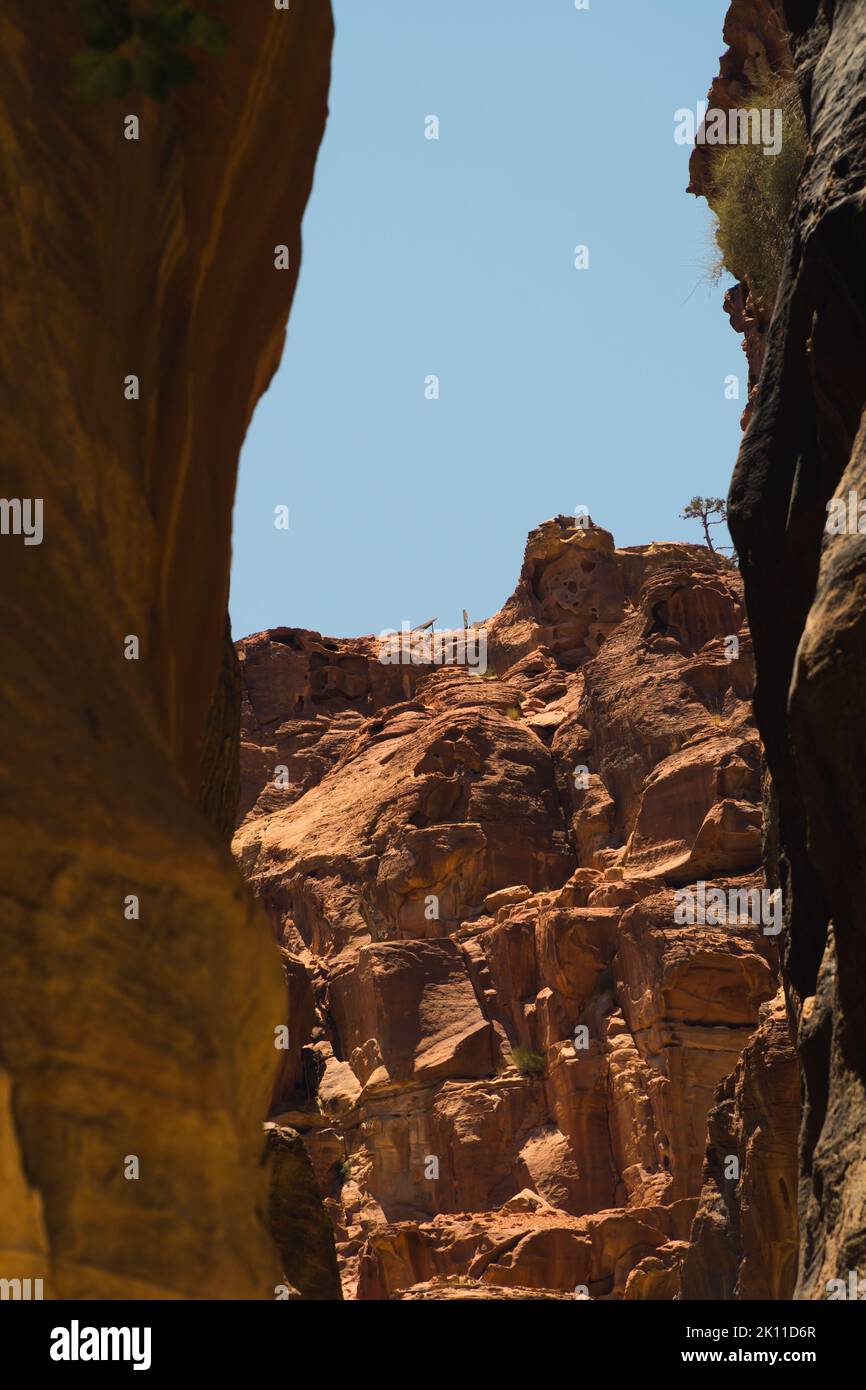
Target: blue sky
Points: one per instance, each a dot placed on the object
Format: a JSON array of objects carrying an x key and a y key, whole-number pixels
[{"x": 559, "y": 388}]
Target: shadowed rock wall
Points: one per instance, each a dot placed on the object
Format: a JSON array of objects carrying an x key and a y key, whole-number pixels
[
  {"x": 804, "y": 586},
  {"x": 806, "y": 593}
]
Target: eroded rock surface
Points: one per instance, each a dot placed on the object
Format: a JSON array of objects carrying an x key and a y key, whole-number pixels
[{"x": 505, "y": 1034}]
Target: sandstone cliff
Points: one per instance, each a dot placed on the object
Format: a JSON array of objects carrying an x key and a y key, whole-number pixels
[
  {"x": 148, "y": 1035},
  {"x": 504, "y": 1040}
]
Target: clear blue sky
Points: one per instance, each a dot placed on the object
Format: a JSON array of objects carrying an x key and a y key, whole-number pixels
[{"x": 559, "y": 388}]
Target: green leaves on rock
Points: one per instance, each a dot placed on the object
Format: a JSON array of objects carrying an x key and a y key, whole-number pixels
[
  {"x": 752, "y": 194},
  {"x": 105, "y": 24},
  {"x": 152, "y": 45},
  {"x": 180, "y": 24},
  {"x": 158, "y": 70},
  {"x": 97, "y": 74},
  {"x": 209, "y": 33}
]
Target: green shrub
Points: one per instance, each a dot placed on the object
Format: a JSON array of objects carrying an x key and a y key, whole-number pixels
[
  {"x": 527, "y": 1062},
  {"x": 752, "y": 194},
  {"x": 144, "y": 50}
]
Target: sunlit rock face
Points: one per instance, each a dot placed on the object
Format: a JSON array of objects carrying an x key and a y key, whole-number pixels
[
  {"x": 508, "y": 1016},
  {"x": 136, "y": 1034}
]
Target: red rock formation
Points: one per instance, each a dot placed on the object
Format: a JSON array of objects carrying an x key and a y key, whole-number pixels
[{"x": 504, "y": 1037}]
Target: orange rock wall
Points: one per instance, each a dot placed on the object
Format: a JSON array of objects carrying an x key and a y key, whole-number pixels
[{"x": 505, "y": 1044}]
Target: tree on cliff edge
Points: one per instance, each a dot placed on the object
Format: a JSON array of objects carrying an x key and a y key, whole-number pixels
[{"x": 701, "y": 509}]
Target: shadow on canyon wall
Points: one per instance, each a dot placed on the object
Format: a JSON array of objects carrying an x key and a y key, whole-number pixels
[{"x": 151, "y": 1036}]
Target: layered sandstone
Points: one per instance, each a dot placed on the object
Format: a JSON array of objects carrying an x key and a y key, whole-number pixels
[
  {"x": 149, "y": 1035},
  {"x": 504, "y": 1040}
]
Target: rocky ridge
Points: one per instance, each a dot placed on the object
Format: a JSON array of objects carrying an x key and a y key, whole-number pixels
[{"x": 503, "y": 1044}]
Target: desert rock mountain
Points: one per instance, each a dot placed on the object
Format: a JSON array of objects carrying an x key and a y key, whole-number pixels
[
  {"x": 516, "y": 1067},
  {"x": 504, "y": 1039}
]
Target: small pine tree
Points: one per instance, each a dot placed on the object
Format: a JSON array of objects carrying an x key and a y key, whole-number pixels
[{"x": 701, "y": 509}]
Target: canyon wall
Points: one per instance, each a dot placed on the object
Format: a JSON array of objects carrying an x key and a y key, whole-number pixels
[
  {"x": 512, "y": 1069},
  {"x": 139, "y": 990},
  {"x": 505, "y": 1033},
  {"x": 805, "y": 589}
]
